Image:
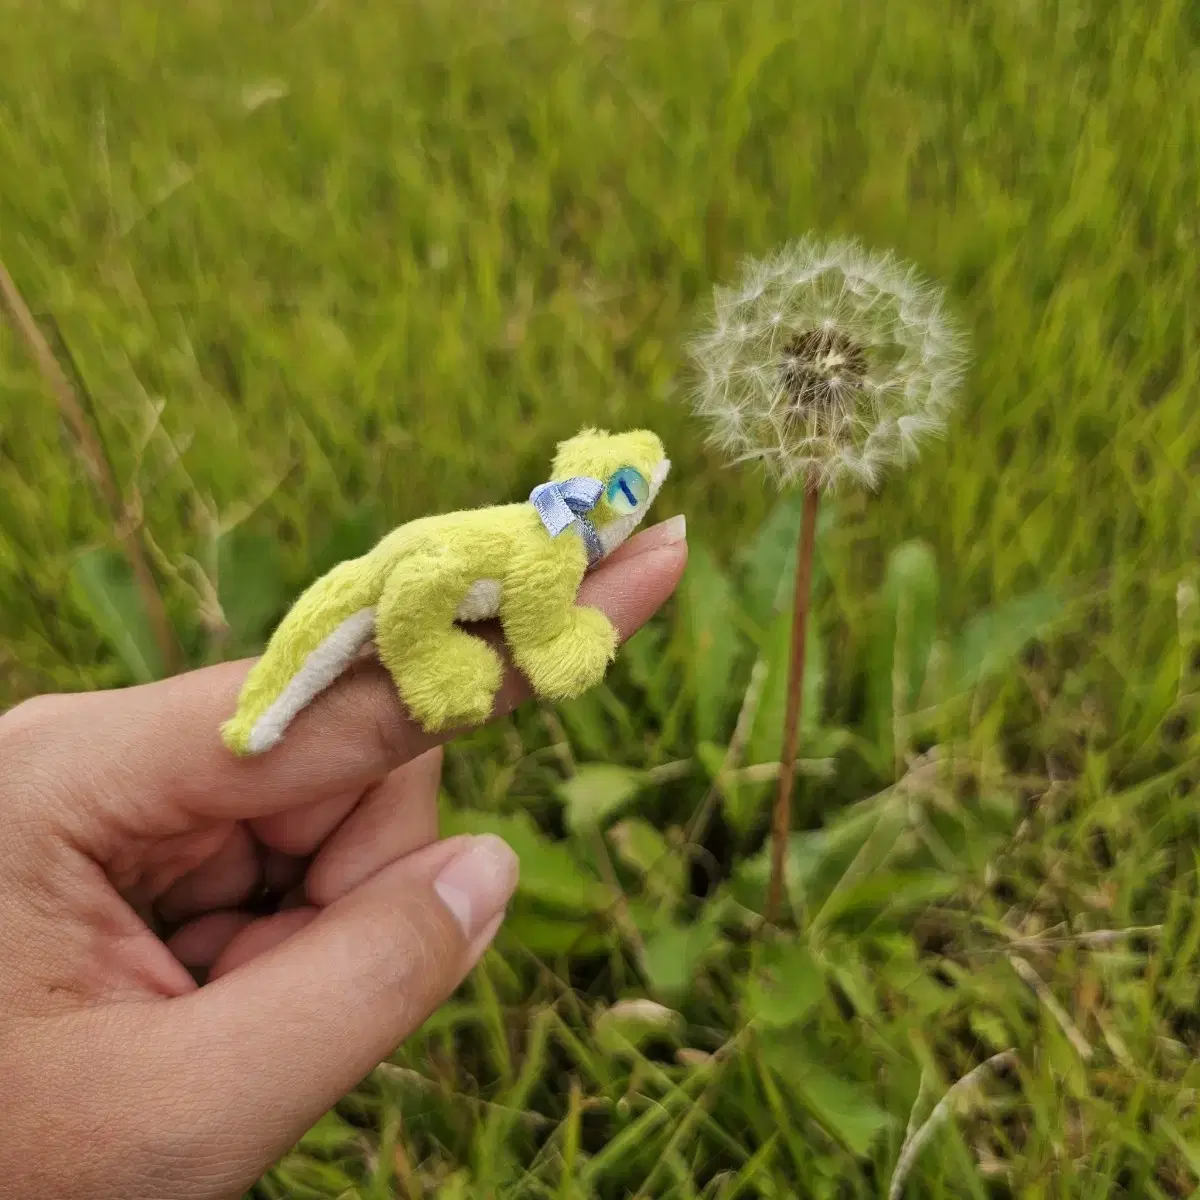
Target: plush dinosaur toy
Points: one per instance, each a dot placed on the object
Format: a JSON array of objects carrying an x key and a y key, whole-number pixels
[{"x": 522, "y": 563}]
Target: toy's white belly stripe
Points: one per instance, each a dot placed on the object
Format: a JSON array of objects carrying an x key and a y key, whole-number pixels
[
  {"x": 337, "y": 651},
  {"x": 320, "y": 669}
]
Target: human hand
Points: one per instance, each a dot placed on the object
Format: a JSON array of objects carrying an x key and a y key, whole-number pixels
[{"x": 121, "y": 1076}]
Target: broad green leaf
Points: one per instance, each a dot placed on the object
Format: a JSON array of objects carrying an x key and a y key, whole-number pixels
[
  {"x": 552, "y": 937},
  {"x": 850, "y": 855},
  {"x": 817, "y": 858},
  {"x": 770, "y": 558},
  {"x": 587, "y": 724},
  {"x": 907, "y": 625},
  {"x": 858, "y": 982},
  {"x": 673, "y": 954},
  {"x": 643, "y": 849},
  {"x": 652, "y": 669},
  {"x": 768, "y": 563},
  {"x": 596, "y": 792},
  {"x": 892, "y": 893},
  {"x": 251, "y": 586},
  {"x": 648, "y": 915},
  {"x": 784, "y": 985},
  {"x": 643, "y": 653},
  {"x": 715, "y": 647},
  {"x": 766, "y": 742},
  {"x": 993, "y": 639},
  {"x": 746, "y": 804},
  {"x": 844, "y": 1108},
  {"x": 925, "y": 999},
  {"x": 550, "y": 873},
  {"x": 103, "y": 586}
]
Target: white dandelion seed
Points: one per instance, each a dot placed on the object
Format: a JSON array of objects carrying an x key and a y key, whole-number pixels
[{"x": 827, "y": 364}]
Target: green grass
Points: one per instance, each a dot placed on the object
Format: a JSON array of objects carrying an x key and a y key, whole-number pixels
[{"x": 322, "y": 267}]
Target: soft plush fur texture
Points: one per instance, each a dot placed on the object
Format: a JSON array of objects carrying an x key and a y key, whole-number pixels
[{"x": 412, "y": 591}]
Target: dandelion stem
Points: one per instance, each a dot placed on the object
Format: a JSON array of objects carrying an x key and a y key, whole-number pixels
[{"x": 782, "y": 819}]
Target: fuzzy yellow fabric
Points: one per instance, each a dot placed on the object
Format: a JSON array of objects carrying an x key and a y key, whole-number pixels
[{"x": 408, "y": 591}]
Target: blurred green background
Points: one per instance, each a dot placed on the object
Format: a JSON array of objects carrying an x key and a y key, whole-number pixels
[{"x": 318, "y": 268}]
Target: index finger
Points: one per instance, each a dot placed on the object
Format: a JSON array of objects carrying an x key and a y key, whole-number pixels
[{"x": 352, "y": 734}]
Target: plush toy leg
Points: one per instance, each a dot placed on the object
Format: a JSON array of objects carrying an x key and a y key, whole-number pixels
[
  {"x": 445, "y": 676},
  {"x": 564, "y": 654}
]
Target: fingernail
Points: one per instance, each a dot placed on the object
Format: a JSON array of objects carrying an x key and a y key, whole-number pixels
[
  {"x": 673, "y": 530},
  {"x": 477, "y": 883},
  {"x": 666, "y": 533},
  {"x": 478, "y": 948}
]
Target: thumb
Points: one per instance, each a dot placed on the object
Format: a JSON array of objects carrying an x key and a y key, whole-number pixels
[{"x": 277, "y": 1041}]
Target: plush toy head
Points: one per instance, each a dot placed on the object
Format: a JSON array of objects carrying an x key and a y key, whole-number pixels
[{"x": 632, "y": 466}]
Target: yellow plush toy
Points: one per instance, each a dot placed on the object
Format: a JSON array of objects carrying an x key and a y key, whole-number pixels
[{"x": 522, "y": 563}]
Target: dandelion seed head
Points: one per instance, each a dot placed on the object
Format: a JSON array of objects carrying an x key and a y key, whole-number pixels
[{"x": 827, "y": 365}]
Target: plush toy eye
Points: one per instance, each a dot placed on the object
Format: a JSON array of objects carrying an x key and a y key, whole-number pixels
[{"x": 626, "y": 490}]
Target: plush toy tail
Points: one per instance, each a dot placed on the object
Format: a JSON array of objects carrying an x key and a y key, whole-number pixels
[{"x": 315, "y": 642}]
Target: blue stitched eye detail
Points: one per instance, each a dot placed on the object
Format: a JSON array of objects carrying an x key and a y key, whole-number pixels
[{"x": 626, "y": 490}]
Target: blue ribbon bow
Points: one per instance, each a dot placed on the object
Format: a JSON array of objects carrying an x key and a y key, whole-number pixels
[{"x": 561, "y": 505}]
